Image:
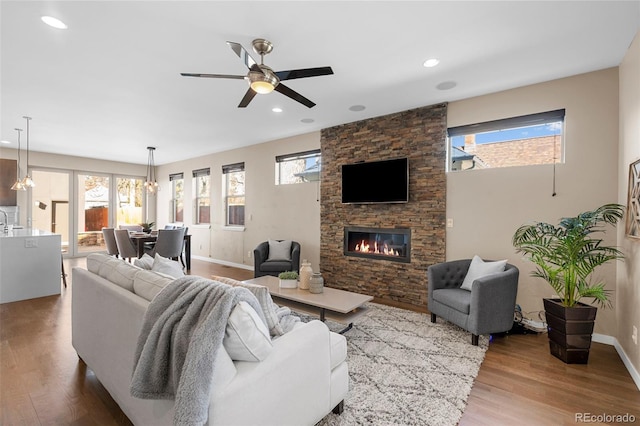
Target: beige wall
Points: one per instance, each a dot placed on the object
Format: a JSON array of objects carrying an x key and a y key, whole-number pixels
[
  {"x": 628, "y": 282},
  {"x": 271, "y": 211},
  {"x": 487, "y": 206}
]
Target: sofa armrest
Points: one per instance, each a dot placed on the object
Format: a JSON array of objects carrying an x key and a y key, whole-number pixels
[
  {"x": 260, "y": 254},
  {"x": 290, "y": 387}
]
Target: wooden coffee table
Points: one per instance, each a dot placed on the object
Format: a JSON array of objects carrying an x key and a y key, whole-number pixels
[{"x": 337, "y": 305}]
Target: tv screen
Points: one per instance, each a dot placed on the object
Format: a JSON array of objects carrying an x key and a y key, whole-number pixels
[{"x": 384, "y": 181}]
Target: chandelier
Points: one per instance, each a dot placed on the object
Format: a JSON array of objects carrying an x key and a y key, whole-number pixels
[
  {"x": 18, "y": 186},
  {"x": 151, "y": 183}
]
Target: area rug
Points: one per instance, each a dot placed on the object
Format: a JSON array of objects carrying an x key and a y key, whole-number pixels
[{"x": 405, "y": 370}]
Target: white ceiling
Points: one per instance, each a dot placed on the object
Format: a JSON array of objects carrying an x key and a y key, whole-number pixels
[{"x": 110, "y": 85}]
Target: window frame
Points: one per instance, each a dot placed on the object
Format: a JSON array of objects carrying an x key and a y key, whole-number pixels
[
  {"x": 303, "y": 155},
  {"x": 227, "y": 172},
  {"x": 198, "y": 175},
  {"x": 505, "y": 124}
]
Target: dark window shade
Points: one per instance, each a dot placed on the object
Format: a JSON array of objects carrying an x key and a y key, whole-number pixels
[
  {"x": 201, "y": 172},
  {"x": 297, "y": 155},
  {"x": 506, "y": 123},
  {"x": 176, "y": 176},
  {"x": 230, "y": 168}
]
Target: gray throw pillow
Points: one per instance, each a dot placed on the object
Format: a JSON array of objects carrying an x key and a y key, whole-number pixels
[{"x": 279, "y": 250}]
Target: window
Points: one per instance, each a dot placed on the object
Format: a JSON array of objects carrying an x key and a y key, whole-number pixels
[
  {"x": 299, "y": 167},
  {"x": 518, "y": 141},
  {"x": 201, "y": 189},
  {"x": 234, "y": 193},
  {"x": 177, "y": 196},
  {"x": 129, "y": 196}
]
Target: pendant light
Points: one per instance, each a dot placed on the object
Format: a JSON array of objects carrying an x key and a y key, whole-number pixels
[
  {"x": 18, "y": 186},
  {"x": 27, "y": 182},
  {"x": 152, "y": 183}
]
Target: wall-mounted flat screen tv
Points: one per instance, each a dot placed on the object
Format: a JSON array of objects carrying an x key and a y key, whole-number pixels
[{"x": 384, "y": 181}]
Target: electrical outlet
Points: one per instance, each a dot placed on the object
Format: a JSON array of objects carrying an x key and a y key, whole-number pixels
[
  {"x": 634, "y": 336},
  {"x": 450, "y": 223},
  {"x": 249, "y": 254},
  {"x": 30, "y": 243}
]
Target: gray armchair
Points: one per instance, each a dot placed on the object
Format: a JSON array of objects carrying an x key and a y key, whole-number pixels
[
  {"x": 263, "y": 266},
  {"x": 487, "y": 308}
]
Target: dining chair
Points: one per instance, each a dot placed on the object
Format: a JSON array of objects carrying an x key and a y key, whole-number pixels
[
  {"x": 132, "y": 228},
  {"x": 110, "y": 241},
  {"x": 169, "y": 243},
  {"x": 126, "y": 247}
]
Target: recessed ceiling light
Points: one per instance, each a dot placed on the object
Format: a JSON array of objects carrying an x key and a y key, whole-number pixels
[
  {"x": 431, "y": 62},
  {"x": 446, "y": 85},
  {"x": 5, "y": 142},
  {"x": 357, "y": 108},
  {"x": 276, "y": 109},
  {"x": 54, "y": 22},
  {"x": 307, "y": 120}
]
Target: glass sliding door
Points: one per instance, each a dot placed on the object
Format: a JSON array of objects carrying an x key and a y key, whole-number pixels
[
  {"x": 92, "y": 211},
  {"x": 129, "y": 201}
]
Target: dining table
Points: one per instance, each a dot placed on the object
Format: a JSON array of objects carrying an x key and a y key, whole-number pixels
[{"x": 141, "y": 238}]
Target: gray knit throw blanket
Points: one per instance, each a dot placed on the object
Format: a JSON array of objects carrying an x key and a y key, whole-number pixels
[{"x": 182, "y": 331}]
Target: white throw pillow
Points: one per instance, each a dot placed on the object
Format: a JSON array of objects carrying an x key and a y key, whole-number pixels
[
  {"x": 145, "y": 262},
  {"x": 167, "y": 266},
  {"x": 479, "y": 268},
  {"x": 246, "y": 337},
  {"x": 279, "y": 250}
]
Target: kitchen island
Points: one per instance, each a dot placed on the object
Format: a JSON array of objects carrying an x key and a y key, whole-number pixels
[{"x": 29, "y": 264}]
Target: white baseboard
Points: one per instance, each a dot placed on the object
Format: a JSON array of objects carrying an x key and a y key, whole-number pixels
[
  {"x": 224, "y": 262},
  {"x": 610, "y": 340}
]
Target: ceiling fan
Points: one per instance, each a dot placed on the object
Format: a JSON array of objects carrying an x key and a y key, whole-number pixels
[{"x": 263, "y": 79}]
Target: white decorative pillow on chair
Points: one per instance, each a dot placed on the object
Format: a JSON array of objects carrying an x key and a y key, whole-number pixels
[
  {"x": 479, "y": 268},
  {"x": 279, "y": 250},
  {"x": 246, "y": 337}
]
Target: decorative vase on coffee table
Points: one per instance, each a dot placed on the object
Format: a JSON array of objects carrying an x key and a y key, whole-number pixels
[
  {"x": 316, "y": 283},
  {"x": 305, "y": 275}
]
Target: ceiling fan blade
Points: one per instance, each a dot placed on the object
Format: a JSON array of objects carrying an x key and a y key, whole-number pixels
[
  {"x": 242, "y": 53},
  {"x": 302, "y": 73},
  {"x": 247, "y": 98},
  {"x": 294, "y": 95},
  {"x": 188, "y": 74}
]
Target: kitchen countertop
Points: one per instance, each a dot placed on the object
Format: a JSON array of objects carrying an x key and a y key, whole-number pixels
[{"x": 25, "y": 232}]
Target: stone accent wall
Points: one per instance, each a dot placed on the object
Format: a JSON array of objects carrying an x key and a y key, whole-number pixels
[{"x": 420, "y": 135}]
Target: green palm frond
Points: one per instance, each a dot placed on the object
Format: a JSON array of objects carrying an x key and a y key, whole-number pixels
[{"x": 567, "y": 254}]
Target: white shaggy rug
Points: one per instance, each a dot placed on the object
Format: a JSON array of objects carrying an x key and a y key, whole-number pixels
[{"x": 405, "y": 370}]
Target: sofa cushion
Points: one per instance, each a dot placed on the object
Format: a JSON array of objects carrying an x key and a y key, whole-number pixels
[
  {"x": 279, "y": 250},
  {"x": 246, "y": 337},
  {"x": 479, "y": 268},
  {"x": 167, "y": 266},
  {"x": 148, "y": 284},
  {"x": 269, "y": 309},
  {"x": 456, "y": 298},
  {"x": 145, "y": 262},
  {"x": 118, "y": 271}
]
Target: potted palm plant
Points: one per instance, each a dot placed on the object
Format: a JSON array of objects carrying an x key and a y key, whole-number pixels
[
  {"x": 566, "y": 255},
  {"x": 147, "y": 226}
]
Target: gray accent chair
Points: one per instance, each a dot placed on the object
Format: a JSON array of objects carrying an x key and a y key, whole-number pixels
[
  {"x": 262, "y": 266},
  {"x": 489, "y": 306},
  {"x": 126, "y": 247},
  {"x": 110, "y": 241}
]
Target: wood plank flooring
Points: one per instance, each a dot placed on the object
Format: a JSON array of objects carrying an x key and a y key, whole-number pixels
[{"x": 42, "y": 382}]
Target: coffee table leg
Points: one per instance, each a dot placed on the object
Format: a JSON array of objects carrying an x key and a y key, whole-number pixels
[
  {"x": 347, "y": 328},
  {"x": 322, "y": 311}
]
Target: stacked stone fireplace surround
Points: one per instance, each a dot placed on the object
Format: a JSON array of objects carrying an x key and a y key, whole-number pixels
[{"x": 420, "y": 135}]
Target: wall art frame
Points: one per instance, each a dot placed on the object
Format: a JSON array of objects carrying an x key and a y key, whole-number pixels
[{"x": 632, "y": 228}]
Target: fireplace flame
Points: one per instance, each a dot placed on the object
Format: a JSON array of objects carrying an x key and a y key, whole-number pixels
[{"x": 364, "y": 247}]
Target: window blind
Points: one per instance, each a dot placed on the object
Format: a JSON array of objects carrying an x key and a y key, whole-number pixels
[
  {"x": 297, "y": 155},
  {"x": 231, "y": 168},
  {"x": 505, "y": 123}
]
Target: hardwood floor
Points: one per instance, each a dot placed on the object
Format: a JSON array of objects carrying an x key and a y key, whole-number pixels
[{"x": 42, "y": 381}]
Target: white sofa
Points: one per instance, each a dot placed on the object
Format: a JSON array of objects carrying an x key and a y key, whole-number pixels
[{"x": 302, "y": 380}]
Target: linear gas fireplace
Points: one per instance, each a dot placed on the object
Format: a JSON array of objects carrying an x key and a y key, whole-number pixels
[{"x": 378, "y": 243}]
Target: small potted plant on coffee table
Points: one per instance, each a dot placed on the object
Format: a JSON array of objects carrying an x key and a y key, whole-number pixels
[
  {"x": 288, "y": 279},
  {"x": 566, "y": 256}
]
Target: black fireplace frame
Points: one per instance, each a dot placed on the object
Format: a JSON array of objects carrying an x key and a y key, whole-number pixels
[{"x": 405, "y": 232}]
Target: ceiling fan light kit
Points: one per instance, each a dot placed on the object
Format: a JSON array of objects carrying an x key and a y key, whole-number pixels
[{"x": 262, "y": 79}]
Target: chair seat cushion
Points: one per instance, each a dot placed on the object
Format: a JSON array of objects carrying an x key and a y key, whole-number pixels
[
  {"x": 455, "y": 298},
  {"x": 275, "y": 266}
]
